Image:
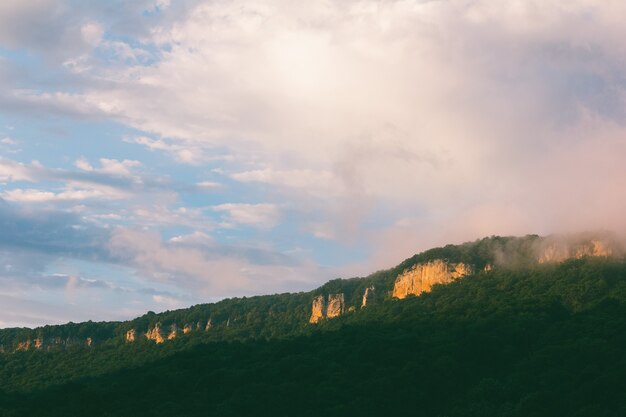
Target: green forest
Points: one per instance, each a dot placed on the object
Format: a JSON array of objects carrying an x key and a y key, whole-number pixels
[{"x": 522, "y": 339}]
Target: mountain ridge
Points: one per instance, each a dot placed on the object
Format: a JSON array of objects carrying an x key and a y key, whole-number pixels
[
  {"x": 332, "y": 299},
  {"x": 516, "y": 340}
]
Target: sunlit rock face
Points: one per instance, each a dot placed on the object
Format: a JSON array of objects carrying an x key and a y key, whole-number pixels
[
  {"x": 131, "y": 335},
  {"x": 560, "y": 250},
  {"x": 23, "y": 346},
  {"x": 336, "y": 305},
  {"x": 155, "y": 334},
  {"x": 173, "y": 332},
  {"x": 421, "y": 277},
  {"x": 209, "y": 325},
  {"x": 187, "y": 328},
  {"x": 89, "y": 342},
  {"x": 38, "y": 343},
  {"x": 367, "y": 296},
  {"x": 322, "y": 308},
  {"x": 318, "y": 309}
]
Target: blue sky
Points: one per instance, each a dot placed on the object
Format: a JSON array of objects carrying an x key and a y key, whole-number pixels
[{"x": 158, "y": 153}]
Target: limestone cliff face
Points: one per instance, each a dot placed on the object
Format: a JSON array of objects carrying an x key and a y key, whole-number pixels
[
  {"x": 367, "y": 296},
  {"x": 38, "y": 343},
  {"x": 131, "y": 335},
  {"x": 559, "y": 251},
  {"x": 41, "y": 343},
  {"x": 421, "y": 277},
  {"x": 336, "y": 305},
  {"x": 187, "y": 328},
  {"x": 173, "y": 332},
  {"x": 318, "y": 309},
  {"x": 155, "y": 334},
  {"x": 23, "y": 346},
  {"x": 322, "y": 308},
  {"x": 209, "y": 325}
]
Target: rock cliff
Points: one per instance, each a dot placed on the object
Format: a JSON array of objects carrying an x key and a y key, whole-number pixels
[
  {"x": 131, "y": 335},
  {"x": 421, "y": 277},
  {"x": 367, "y": 296},
  {"x": 561, "y": 250},
  {"x": 318, "y": 309},
  {"x": 39, "y": 343},
  {"x": 173, "y": 332},
  {"x": 336, "y": 305},
  {"x": 155, "y": 334},
  {"x": 322, "y": 308}
]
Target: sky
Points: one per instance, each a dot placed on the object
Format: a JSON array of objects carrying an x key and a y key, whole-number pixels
[{"x": 156, "y": 154}]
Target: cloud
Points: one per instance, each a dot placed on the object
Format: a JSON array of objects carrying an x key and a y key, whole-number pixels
[
  {"x": 305, "y": 180},
  {"x": 185, "y": 154},
  {"x": 51, "y": 232},
  {"x": 264, "y": 216},
  {"x": 14, "y": 171},
  {"x": 208, "y": 270},
  {"x": 110, "y": 166},
  {"x": 440, "y": 111},
  {"x": 38, "y": 196}
]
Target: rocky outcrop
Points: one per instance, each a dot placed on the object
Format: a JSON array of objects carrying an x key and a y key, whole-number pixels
[
  {"x": 187, "y": 328},
  {"x": 368, "y": 295},
  {"x": 336, "y": 305},
  {"x": 49, "y": 344},
  {"x": 209, "y": 325},
  {"x": 173, "y": 332},
  {"x": 560, "y": 250},
  {"x": 130, "y": 335},
  {"x": 155, "y": 334},
  {"x": 318, "y": 309},
  {"x": 421, "y": 277},
  {"x": 322, "y": 308},
  {"x": 23, "y": 346}
]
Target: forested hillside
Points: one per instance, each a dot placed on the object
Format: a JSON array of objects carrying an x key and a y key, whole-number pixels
[{"x": 519, "y": 339}]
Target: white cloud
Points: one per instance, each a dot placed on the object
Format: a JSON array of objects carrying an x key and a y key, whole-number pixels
[
  {"x": 183, "y": 153},
  {"x": 257, "y": 215},
  {"x": 207, "y": 272},
  {"x": 302, "y": 179},
  {"x": 109, "y": 166},
  {"x": 115, "y": 167},
  {"x": 16, "y": 171},
  {"x": 7, "y": 141},
  {"x": 39, "y": 196},
  {"x": 208, "y": 184},
  {"x": 195, "y": 238},
  {"x": 92, "y": 33}
]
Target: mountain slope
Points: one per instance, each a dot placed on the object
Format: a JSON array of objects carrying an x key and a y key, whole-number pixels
[
  {"x": 545, "y": 341},
  {"x": 520, "y": 338}
]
